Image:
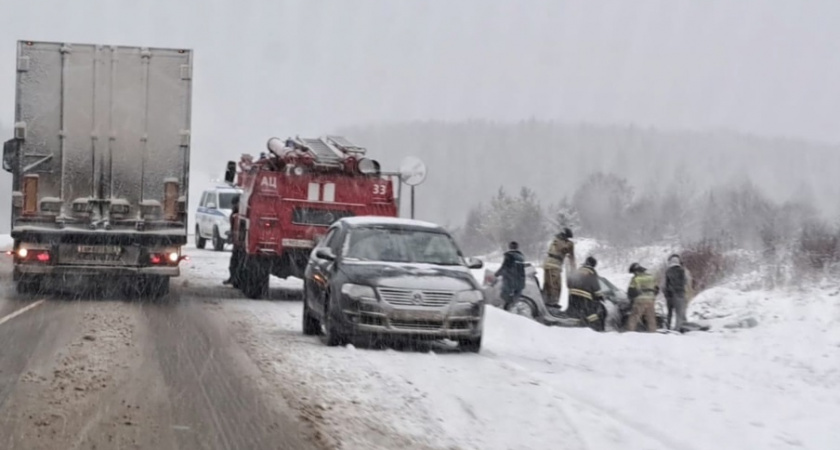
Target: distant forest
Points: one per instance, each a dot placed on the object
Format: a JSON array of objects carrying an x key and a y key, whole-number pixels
[
  {"x": 708, "y": 193},
  {"x": 469, "y": 161}
]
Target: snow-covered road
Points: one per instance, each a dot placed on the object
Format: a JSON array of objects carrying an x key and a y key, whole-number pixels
[{"x": 771, "y": 387}]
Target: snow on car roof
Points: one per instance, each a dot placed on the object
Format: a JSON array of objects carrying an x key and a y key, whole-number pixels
[
  {"x": 381, "y": 220},
  {"x": 226, "y": 189}
]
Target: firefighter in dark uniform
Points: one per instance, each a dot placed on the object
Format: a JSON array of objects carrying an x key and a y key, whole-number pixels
[
  {"x": 512, "y": 272},
  {"x": 561, "y": 247},
  {"x": 236, "y": 254},
  {"x": 585, "y": 296}
]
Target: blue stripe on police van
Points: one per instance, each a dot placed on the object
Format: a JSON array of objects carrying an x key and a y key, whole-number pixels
[{"x": 210, "y": 212}]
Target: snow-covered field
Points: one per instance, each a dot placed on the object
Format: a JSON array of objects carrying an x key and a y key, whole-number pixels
[{"x": 772, "y": 386}]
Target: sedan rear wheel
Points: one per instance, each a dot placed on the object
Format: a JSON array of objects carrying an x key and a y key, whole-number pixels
[
  {"x": 200, "y": 242},
  {"x": 218, "y": 243}
]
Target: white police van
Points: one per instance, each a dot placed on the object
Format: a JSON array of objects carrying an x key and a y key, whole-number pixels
[{"x": 212, "y": 219}]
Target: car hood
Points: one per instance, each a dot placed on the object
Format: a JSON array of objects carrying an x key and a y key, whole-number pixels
[{"x": 410, "y": 276}]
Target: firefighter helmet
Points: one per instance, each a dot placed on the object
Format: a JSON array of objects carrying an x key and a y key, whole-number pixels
[{"x": 636, "y": 267}]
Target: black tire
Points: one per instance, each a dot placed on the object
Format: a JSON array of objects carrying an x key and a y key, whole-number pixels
[
  {"x": 332, "y": 335},
  {"x": 311, "y": 325},
  {"x": 472, "y": 345},
  {"x": 238, "y": 269},
  {"x": 200, "y": 242},
  {"x": 255, "y": 279},
  {"x": 218, "y": 242}
]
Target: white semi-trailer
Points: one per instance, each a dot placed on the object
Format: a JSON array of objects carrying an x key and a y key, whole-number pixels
[{"x": 100, "y": 163}]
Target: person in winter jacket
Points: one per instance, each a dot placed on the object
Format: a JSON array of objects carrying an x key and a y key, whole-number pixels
[
  {"x": 642, "y": 293},
  {"x": 585, "y": 296},
  {"x": 675, "y": 289},
  {"x": 560, "y": 248},
  {"x": 512, "y": 272},
  {"x": 236, "y": 254}
]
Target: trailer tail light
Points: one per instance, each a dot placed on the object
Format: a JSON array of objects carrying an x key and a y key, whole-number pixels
[
  {"x": 166, "y": 258},
  {"x": 33, "y": 255}
]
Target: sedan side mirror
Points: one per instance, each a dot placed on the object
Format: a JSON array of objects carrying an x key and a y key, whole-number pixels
[
  {"x": 325, "y": 253},
  {"x": 211, "y": 205},
  {"x": 475, "y": 263}
]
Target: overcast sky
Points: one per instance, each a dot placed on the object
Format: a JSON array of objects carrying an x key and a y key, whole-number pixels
[{"x": 769, "y": 67}]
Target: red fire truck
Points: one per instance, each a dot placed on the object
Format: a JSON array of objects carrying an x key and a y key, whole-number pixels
[{"x": 291, "y": 195}]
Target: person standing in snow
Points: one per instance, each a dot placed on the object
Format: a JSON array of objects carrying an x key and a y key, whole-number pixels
[
  {"x": 560, "y": 248},
  {"x": 642, "y": 293},
  {"x": 512, "y": 272},
  {"x": 675, "y": 288},
  {"x": 236, "y": 254},
  {"x": 585, "y": 296}
]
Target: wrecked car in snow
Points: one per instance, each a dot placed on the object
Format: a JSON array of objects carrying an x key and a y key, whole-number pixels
[
  {"x": 531, "y": 303},
  {"x": 392, "y": 277}
]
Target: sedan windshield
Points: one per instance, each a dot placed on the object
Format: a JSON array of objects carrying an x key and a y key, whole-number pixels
[{"x": 399, "y": 245}]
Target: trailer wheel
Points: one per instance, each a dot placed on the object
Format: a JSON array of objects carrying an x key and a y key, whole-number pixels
[
  {"x": 218, "y": 242},
  {"x": 28, "y": 286},
  {"x": 155, "y": 287},
  {"x": 200, "y": 242}
]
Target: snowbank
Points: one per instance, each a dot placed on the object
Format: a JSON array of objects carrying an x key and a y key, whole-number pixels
[
  {"x": 538, "y": 387},
  {"x": 775, "y": 385}
]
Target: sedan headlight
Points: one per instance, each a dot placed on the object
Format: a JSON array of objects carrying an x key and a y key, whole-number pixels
[
  {"x": 358, "y": 291},
  {"x": 472, "y": 296}
]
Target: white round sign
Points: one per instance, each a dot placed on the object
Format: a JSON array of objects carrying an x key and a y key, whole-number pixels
[{"x": 412, "y": 171}]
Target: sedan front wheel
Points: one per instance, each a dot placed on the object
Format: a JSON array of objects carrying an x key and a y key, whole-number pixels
[{"x": 332, "y": 334}]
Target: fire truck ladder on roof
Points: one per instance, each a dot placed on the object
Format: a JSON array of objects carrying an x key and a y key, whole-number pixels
[
  {"x": 345, "y": 146},
  {"x": 329, "y": 151},
  {"x": 323, "y": 153}
]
